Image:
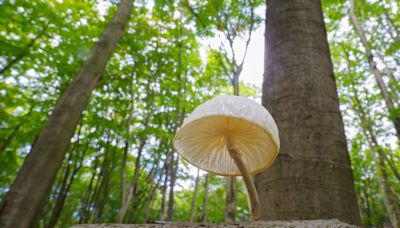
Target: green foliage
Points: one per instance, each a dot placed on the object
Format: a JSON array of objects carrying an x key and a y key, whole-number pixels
[
  {"x": 158, "y": 75},
  {"x": 359, "y": 94},
  {"x": 153, "y": 80}
]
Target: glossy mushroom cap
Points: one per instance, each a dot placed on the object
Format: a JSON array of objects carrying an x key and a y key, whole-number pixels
[{"x": 236, "y": 121}]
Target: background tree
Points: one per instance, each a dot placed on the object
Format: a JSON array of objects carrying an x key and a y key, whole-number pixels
[
  {"x": 356, "y": 81},
  {"x": 23, "y": 201},
  {"x": 233, "y": 22}
]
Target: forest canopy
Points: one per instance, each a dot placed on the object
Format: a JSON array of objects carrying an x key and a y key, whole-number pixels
[{"x": 119, "y": 164}]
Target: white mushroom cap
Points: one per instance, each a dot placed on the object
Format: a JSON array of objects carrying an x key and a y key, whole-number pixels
[{"x": 203, "y": 137}]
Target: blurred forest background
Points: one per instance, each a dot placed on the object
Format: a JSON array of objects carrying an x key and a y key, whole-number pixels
[{"x": 174, "y": 55}]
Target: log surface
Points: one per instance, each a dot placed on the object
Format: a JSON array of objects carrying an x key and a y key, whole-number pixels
[{"x": 332, "y": 223}]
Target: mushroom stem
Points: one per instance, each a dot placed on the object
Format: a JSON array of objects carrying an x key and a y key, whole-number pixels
[{"x": 251, "y": 189}]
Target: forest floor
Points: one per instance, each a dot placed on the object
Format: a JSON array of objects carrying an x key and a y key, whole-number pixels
[{"x": 333, "y": 223}]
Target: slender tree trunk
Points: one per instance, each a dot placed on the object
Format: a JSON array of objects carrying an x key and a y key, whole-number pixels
[
  {"x": 94, "y": 196},
  {"x": 389, "y": 197},
  {"x": 164, "y": 192},
  {"x": 107, "y": 169},
  {"x": 193, "y": 206},
  {"x": 133, "y": 185},
  {"x": 379, "y": 161},
  {"x": 174, "y": 168},
  {"x": 203, "y": 216},
  {"x": 39, "y": 170},
  {"x": 393, "y": 82},
  {"x": 122, "y": 174},
  {"x": 368, "y": 208},
  {"x": 392, "y": 166},
  {"x": 147, "y": 205},
  {"x": 230, "y": 206},
  {"x": 127, "y": 141},
  {"x": 377, "y": 73},
  {"x": 392, "y": 26},
  {"x": 100, "y": 181},
  {"x": 84, "y": 210},
  {"x": 237, "y": 67},
  {"x": 139, "y": 198},
  {"x": 60, "y": 198},
  {"x": 65, "y": 187},
  {"x": 312, "y": 176},
  {"x": 153, "y": 190},
  {"x": 179, "y": 115},
  {"x": 100, "y": 202}
]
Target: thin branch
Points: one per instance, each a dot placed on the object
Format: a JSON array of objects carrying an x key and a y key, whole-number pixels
[{"x": 24, "y": 52}]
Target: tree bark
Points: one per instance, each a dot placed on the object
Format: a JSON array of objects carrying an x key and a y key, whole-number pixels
[
  {"x": 312, "y": 176},
  {"x": 34, "y": 180},
  {"x": 196, "y": 188}
]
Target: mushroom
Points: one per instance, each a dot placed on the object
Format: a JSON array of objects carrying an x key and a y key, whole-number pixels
[{"x": 230, "y": 136}]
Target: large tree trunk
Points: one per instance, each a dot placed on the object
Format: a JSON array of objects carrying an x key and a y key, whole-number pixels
[
  {"x": 312, "y": 176},
  {"x": 39, "y": 170}
]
